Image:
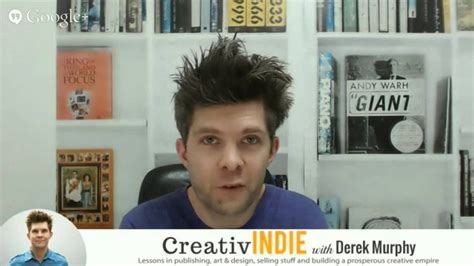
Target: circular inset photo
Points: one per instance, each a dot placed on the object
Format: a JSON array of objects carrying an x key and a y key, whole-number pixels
[{"x": 41, "y": 237}]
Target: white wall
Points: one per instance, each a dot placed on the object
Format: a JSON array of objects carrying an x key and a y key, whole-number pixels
[{"x": 28, "y": 107}]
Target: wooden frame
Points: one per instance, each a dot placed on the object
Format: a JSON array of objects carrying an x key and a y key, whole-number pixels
[{"x": 85, "y": 187}]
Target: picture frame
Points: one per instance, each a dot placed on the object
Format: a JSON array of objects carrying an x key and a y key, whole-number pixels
[
  {"x": 383, "y": 218},
  {"x": 85, "y": 187}
]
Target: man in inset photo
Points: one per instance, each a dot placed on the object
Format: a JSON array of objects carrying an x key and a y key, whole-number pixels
[{"x": 39, "y": 226}]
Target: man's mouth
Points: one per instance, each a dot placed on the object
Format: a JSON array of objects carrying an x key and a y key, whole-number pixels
[{"x": 231, "y": 186}]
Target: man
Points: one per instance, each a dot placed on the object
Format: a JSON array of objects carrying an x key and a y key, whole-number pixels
[
  {"x": 73, "y": 191},
  {"x": 227, "y": 109},
  {"x": 39, "y": 226}
]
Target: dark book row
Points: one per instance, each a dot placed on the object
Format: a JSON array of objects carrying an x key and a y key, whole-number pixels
[
  {"x": 467, "y": 184},
  {"x": 101, "y": 15},
  {"x": 413, "y": 16}
]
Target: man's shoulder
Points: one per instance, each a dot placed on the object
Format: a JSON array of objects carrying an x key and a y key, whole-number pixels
[
  {"x": 57, "y": 257},
  {"x": 290, "y": 197},
  {"x": 154, "y": 213},
  {"x": 19, "y": 259}
]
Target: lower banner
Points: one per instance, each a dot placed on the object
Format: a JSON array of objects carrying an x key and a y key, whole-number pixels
[{"x": 279, "y": 247}]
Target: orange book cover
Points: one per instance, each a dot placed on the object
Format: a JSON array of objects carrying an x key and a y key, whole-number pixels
[{"x": 84, "y": 84}]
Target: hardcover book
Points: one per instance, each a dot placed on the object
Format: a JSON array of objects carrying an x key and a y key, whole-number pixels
[
  {"x": 385, "y": 103},
  {"x": 275, "y": 16},
  {"x": 84, "y": 84},
  {"x": 326, "y": 98},
  {"x": 236, "y": 15},
  {"x": 256, "y": 16}
]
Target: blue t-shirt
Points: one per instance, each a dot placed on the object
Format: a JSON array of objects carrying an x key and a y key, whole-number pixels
[
  {"x": 277, "y": 209},
  {"x": 27, "y": 259}
]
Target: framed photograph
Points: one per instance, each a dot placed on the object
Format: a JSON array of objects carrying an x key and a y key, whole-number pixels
[
  {"x": 378, "y": 218},
  {"x": 84, "y": 187}
]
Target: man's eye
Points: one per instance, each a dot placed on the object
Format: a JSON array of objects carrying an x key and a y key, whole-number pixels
[
  {"x": 209, "y": 140},
  {"x": 251, "y": 140}
]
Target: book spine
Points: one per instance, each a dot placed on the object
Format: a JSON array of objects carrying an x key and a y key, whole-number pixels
[
  {"x": 350, "y": 15},
  {"x": 255, "y": 15},
  {"x": 157, "y": 16},
  {"x": 117, "y": 13},
  {"x": 205, "y": 15},
  {"x": 326, "y": 118},
  {"x": 403, "y": 16},
  {"x": 275, "y": 16},
  {"x": 104, "y": 10},
  {"x": 85, "y": 15},
  {"x": 383, "y": 15},
  {"x": 423, "y": 17},
  {"x": 174, "y": 16},
  {"x": 183, "y": 15},
  {"x": 447, "y": 15},
  {"x": 438, "y": 19},
  {"x": 321, "y": 15},
  {"x": 133, "y": 15},
  {"x": 338, "y": 15},
  {"x": 94, "y": 16},
  {"x": 465, "y": 182},
  {"x": 217, "y": 10},
  {"x": 471, "y": 181},
  {"x": 329, "y": 16},
  {"x": 195, "y": 16},
  {"x": 363, "y": 15},
  {"x": 76, "y": 11},
  {"x": 166, "y": 14},
  {"x": 122, "y": 15},
  {"x": 374, "y": 15},
  {"x": 428, "y": 15},
  {"x": 412, "y": 15},
  {"x": 108, "y": 17},
  {"x": 236, "y": 15},
  {"x": 62, "y": 8},
  {"x": 392, "y": 16}
]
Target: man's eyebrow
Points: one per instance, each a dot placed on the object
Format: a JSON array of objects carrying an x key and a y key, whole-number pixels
[
  {"x": 249, "y": 130},
  {"x": 205, "y": 130}
]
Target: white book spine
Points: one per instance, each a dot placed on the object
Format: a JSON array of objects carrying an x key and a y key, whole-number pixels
[
  {"x": 403, "y": 16},
  {"x": 338, "y": 15},
  {"x": 374, "y": 15},
  {"x": 392, "y": 16},
  {"x": 205, "y": 15},
  {"x": 117, "y": 16},
  {"x": 109, "y": 9},
  {"x": 383, "y": 15},
  {"x": 363, "y": 6},
  {"x": 76, "y": 12},
  {"x": 195, "y": 15},
  {"x": 123, "y": 15}
]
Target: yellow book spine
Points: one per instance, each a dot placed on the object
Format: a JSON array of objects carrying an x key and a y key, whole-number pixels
[
  {"x": 236, "y": 15},
  {"x": 275, "y": 15}
]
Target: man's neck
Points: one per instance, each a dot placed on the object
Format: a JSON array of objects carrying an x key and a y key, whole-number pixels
[
  {"x": 222, "y": 221},
  {"x": 39, "y": 253}
]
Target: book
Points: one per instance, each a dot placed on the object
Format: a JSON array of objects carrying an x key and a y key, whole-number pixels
[
  {"x": 443, "y": 117},
  {"x": 94, "y": 15},
  {"x": 321, "y": 15},
  {"x": 465, "y": 183},
  {"x": 392, "y": 16},
  {"x": 166, "y": 16},
  {"x": 255, "y": 16},
  {"x": 385, "y": 103},
  {"x": 326, "y": 99},
  {"x": 217, "y": 15},
  {"x": 363, "y": 15},
  {"x": 134, "y": 16},
  {"x": 84, "y": 84},
  {"x": 383, "y": 218},
  {"x": 465, "y": 11},
  {"x": 349, "y": 16},
  {"x": 338, "y": 15},
  {"x": 330, "y": 15},
  {"x": 331, "y": 208},
  {"x": 402, "y": 18},
  {"x": 205, "y": 15},
  {"x": 383, "y": 15},
  {"x": 374, "y": 16},
  {"x": 236, "y": 15},
  {"x": 447, "y": 15},
  {"x": 195, "y": 16},
  {"x": 275, "y": 16},
  {"x": 157, "y": 16}
]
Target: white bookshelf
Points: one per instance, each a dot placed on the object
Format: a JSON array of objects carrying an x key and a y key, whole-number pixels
[{"x": 143, "y": 130}]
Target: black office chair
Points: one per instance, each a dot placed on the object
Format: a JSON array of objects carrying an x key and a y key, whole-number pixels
[{"x": 169, "y": 178}]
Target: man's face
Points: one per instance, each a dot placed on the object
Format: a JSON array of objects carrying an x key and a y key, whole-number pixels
[
  {"x": 39, "y": 235},
  {"x": 227, "y": 153}
]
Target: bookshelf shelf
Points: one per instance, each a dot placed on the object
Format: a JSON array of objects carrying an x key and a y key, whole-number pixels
[
  {"x": 399, "y": 158},
  {"x": 385, "y": 36},
  {"x": 467, "y": 221},
  {"x": 106, "y": 123},
  {"x": 465, "y": 34},
  {"x": 192, "y": 37},
  {"x": 99, "y": 38}
]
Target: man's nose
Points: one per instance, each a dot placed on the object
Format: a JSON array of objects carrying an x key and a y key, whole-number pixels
[{"x": 231, "y": 159}]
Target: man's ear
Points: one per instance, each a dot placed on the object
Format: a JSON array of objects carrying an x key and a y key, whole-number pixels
[
  {"x": 51, "y": 234},
  {"x": 273, "y": 151},
  {"x": 181, "y": 151}
]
